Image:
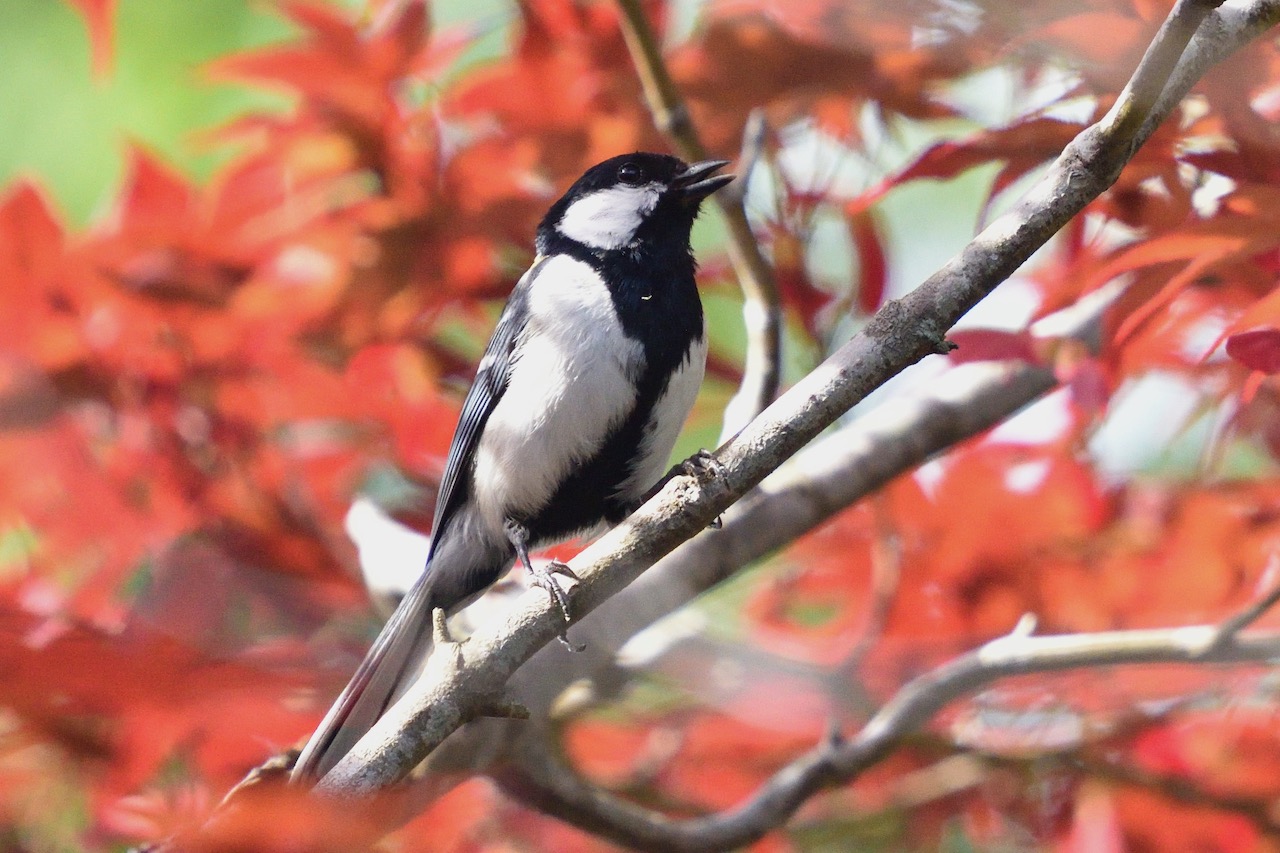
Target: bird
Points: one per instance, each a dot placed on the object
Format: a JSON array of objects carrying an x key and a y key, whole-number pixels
[{"x": 570, "y": 422}]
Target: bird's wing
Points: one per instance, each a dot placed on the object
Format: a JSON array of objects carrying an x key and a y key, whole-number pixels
[
  {"x": 405, "y": 640},
  {"x": 487, "y": 389}
]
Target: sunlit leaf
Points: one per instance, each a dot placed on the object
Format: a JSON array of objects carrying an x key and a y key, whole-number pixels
[{"x": 1258, "y": 349}]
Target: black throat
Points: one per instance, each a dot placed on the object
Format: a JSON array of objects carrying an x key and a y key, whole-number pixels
[{"x": 652, "y": 283}]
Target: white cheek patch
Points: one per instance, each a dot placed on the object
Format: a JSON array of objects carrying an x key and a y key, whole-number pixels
[{"x": 608, "y": 219}]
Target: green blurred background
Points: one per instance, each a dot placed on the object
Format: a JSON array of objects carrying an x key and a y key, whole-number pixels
[{"x": 69, "y": 127}]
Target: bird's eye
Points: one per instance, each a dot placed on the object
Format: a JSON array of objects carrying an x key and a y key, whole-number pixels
[{"x": 631, "y": 174}]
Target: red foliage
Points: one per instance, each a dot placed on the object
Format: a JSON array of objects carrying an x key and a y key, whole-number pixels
[
  {"x": 98, "y": 18},
  {"x": 872, "y": 265},
  {"x": 193, "y": 390},
  {"x": 1258, "y": 349},
  {"x": 992, "y": 345}
]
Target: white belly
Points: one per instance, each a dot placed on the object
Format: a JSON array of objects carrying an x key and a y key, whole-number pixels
[{"x": 572, "y": 383}]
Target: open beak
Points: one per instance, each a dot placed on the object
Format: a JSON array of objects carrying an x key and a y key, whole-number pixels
[{"x": 697, "y": 182}]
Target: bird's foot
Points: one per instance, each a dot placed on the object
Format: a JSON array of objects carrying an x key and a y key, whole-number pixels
[
  {"x": 544, "y": 576},
  {"x": 704, "y": 466}
]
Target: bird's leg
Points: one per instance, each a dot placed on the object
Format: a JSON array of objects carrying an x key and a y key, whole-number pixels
[{"x": 518, "y": 535}]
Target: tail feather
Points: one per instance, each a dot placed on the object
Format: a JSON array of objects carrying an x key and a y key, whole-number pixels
[
  {"x": 395, "y": 657},
  {"x": 464, "y": 561}
]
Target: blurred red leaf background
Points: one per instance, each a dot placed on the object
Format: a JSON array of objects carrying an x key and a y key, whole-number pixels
[{"x": 196, "y": 385}]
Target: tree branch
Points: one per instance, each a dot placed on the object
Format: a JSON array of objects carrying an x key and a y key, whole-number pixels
[
  {"x": 902, "y": 332},
  {"x": 547, "y": 782},
  {"x": 819, "y": 482},
  {"x": 826, "y": 477}
]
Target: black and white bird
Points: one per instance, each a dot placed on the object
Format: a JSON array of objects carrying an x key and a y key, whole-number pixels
[{"x": 573, "y": 414}]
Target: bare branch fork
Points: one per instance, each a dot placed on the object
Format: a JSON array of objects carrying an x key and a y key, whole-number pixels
[
  {"x": 902, "y": 333},
  {"x": 553, "y": 786}
]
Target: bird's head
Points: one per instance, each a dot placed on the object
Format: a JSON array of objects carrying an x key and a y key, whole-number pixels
[{"x": 630, "y": 199}]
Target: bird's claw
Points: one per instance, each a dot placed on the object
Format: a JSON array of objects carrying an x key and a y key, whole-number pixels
[
  {"x": 544, "y": 577},
  {"x": 563, "y": 637},
  {"x": 556, "y": 567},
  {"x": 702, "y": 465}
]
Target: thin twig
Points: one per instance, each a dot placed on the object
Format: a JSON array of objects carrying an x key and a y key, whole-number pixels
[
  {"x": 1258, "y": 811},
  {"x": 560, "y": 791},
  {"x": 762, "y": 303},
  {"x": 754, "y": 134},
  {"x": 1180, "y": 789},
  {"x": 1017, "y": 653},
  {"x": 1254, "y": 610}
]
